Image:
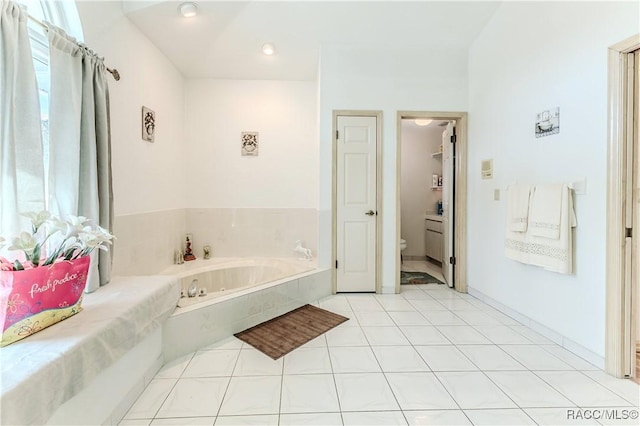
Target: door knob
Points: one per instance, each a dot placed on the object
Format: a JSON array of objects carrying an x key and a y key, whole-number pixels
[{"x": 370, "y": 213}]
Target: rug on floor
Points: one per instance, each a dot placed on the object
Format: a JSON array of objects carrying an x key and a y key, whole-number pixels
[
  {"x": 418, "y": 278},
  {"x": 281, "y": 335}
]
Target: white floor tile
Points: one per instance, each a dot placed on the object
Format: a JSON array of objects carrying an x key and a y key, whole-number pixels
[
  {"x": 502, "y": 335},
  {"x": 408, "y": 318},
  {"x": 307, "y": 361},
  {"x": 151, "y": 399},
  {"x": 382, "y": 418},
  {"x": 490, "y": 357},
  {"x": 428, "y": 305},
  {"x": 252, "y": 362},
  {"x": 534, "y": 336},
  {"x": 424, "y": 335},
  {"x": 399, "y": 304},
  {"x": 558, "y": 416},
  {"x": 369, "y": 318},
  {"x": 462, "y": 335},
  {"x": 318, "y": 342},
  {"x": 443, "y": 318},
  {"x": 499, "y": 417},
  {"x": 535, "y": 358},
  {"x": 353, "y": 360},
  {"x": 212, "y": 364},
  {"x": 135, "y": 422},
  {"x": 528, "y": 390},
  {"x": 465, "y": 308},
  {"x": 410, "y": 293},
  {"x": 194, "y": 398},
  {"x": 316, "y": 419},
  {"x": 365, "y": 392},
  {"x": 333, "y": 303},
  {"x": 364, "y": 304},
  {"x": 314, "y": 393},
  {"x": 349, "y": 336},
  {"x": 570, "y": 358},
  {"x": 436, "y": 417},
  {"x": 445, "y": 358},
  {"x": 504, "y": 319},
  {"x": 580, "y": 389},
  {"x": 399, "y": 359},
  {"x": 174, "y": 369},
  {"x": 474, "y": 390},
  {"x": 252, "y": 395},
  {"x": 188, "y": 421},
  {"x": 419, "y": 391},
  {"x": 623, "y": 387},
  {"x": 384, "y": 336},
  {"x": 270, "y": 420}
]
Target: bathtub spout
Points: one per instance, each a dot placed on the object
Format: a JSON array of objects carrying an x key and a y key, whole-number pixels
[{"x": 193, "y": 289}]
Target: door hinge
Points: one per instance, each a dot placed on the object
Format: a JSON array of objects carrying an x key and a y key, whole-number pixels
[
  {"x": 336, "y": 264},
  {"x": 628, "y": 233},
  {"x": 337, "y": 137},
  {"x": 454, "y": 138},
  {"x": 452, "y": 260}
]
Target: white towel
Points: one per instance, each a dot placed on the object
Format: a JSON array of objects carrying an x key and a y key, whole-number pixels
[
  {"x": 518, "y": 207},
  {"x": 546, "y": 206},
  {"x": 553, "y": 255}
]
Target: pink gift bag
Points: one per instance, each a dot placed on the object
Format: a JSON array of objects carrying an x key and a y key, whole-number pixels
[{"x": 36, "y": 298}]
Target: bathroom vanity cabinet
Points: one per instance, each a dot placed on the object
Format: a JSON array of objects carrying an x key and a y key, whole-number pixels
[{"x": 433, "y": 237}]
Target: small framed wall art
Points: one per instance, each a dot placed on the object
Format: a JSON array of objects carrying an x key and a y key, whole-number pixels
[
  {"x": 148, "y": 124},
  {"x": 249, "y": 143},
  {"x": 548, "y": 122}
]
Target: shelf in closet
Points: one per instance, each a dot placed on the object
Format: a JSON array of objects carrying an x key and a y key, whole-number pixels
[
  {"x": 437, "y": 188},
  {"x": 436, "y": 154}
]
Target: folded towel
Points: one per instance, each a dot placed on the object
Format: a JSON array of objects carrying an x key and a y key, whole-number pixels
[
  {"x": 546, "y": 206},
  {"x": 553, "y": 255},
  {"x": 518, "y": 207}
]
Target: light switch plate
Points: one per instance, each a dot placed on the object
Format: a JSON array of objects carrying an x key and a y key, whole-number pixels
[{"x": 496, "y": 194}]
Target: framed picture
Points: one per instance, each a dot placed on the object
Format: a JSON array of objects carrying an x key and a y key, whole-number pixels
[
  {"x": 249, "y": 143},
  {"x": 148, "y": 124},
  {"x": 548, "y": 122}
]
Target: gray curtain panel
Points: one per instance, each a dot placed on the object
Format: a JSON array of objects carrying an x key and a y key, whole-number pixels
[
  {"x": 21, "y": 165},
  {"x": 80, "y": 141}
]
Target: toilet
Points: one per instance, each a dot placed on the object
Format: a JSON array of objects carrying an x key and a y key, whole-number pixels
[{"x": 403, "y": 246}]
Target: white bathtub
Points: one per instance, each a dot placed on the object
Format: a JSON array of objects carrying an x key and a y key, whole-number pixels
[
  {"x": 221, "y": 277},
  {"x": 255, "y": 290}
]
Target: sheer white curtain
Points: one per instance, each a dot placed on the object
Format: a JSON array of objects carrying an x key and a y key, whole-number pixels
[
  {"x": 21, "y": 165},
  {"x": 80, "y": 141}
]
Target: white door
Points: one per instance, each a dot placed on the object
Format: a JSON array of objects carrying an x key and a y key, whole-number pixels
[
  {"x": 447, "y": 203},
  {"x": 356, "y": 204}
]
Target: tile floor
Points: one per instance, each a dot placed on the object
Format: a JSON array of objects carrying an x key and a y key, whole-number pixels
[
  {"x": 432, "y": 268},
  {"x": 426, "y": 356}
]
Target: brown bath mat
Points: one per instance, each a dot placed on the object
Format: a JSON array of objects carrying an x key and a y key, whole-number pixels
[{"x": 281, "y": 335}]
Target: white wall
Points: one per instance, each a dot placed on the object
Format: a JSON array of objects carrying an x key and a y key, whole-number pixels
[
  {"x": 283, "y": 175},
  {"x": 532, "y": 57},
  {"x": 417, "y": 168},
  {"x": 388, "y": 80},
  {"x": 147, "y": 177}
]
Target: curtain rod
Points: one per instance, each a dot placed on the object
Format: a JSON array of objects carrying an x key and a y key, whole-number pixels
[{"x": 114, "y": 72}]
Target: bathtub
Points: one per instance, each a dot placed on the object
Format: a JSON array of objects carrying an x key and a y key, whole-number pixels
[
  {"x": 240, "y": 293},
  {"x": 221, "y": 277}
]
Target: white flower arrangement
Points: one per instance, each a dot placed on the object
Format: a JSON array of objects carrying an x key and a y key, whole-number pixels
[{"x": 52, "y": 240}]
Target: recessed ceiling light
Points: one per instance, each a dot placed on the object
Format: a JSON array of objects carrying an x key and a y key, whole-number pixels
[
  {"x": 268, "y": 49},
  {"x": 188, "y": 9},
  {"x": 423, "y": 122}
]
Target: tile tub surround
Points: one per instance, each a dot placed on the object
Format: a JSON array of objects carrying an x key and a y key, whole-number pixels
[
  {"x": 195, "y": 327},
  {"x": 250, "y": 232},
  {"x": 145, "y": 243},
  {"x": 362, "y": 374}
]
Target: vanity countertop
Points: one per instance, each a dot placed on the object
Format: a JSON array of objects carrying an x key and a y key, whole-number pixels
[{"x": 436, "y": 217}]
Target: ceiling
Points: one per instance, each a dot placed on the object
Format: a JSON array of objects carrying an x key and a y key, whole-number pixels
[{"x": 225, "y": 39}]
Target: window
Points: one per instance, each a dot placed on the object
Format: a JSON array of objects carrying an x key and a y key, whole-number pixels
[{"x": 64, "y": 15}]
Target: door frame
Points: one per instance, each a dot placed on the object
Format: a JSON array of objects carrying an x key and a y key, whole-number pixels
[
  {"x": 619, "y": 122},
  {"x": 334, "y": 192},
  {"x": 460, "y": 196}
]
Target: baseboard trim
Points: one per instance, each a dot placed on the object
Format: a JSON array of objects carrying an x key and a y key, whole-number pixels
[{"x": 554, "y": 336}]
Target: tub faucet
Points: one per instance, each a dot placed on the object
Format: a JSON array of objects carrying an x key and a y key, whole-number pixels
[
  {"x": 193, "y": 289},
  {"x": 207, "y": 252}
]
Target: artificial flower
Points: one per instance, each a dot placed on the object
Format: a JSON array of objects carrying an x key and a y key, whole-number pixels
[
  {"x": 37, "y": 218},
  {"x": 25, "y": 242}
]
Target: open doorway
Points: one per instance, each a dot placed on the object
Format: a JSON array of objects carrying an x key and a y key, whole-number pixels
[
  {"x": 424, "y": 190},
  {"x": 431, "y": 197}
]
